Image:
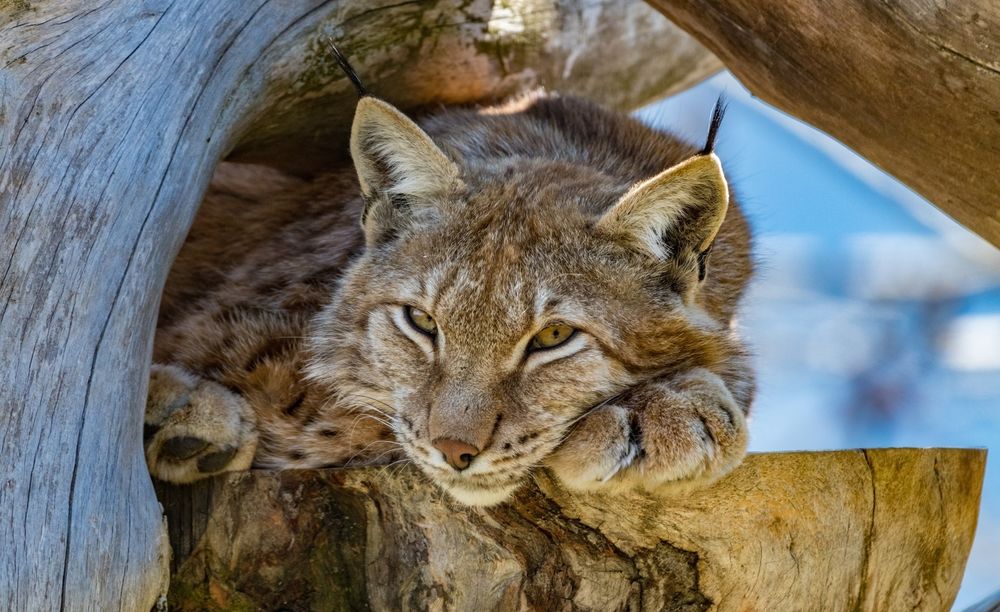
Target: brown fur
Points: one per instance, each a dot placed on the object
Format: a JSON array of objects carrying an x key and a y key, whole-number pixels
[{"x": 293, "y": 309}]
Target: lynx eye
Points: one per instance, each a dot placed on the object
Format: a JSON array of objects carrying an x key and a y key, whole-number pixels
[
  {"x": 423, "y": 322},
  {"x": 551, "y": 337}
]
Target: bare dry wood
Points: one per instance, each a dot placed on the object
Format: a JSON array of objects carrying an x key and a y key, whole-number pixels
[
  {"x": 914, "y": 86},
  {"x": 420, "y": 54},
  {"x": 844, "y": 530},
  {"x": 112, "y": 118}
]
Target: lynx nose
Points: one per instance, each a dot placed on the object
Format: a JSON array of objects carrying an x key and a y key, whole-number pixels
[{"x": 458, "y": 454}]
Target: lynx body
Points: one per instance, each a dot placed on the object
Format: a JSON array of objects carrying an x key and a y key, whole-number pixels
[{"x": 497, "y": 289}]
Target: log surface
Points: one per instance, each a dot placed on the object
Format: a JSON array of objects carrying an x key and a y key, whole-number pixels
[
  {"x": 418, "y": 55},
  {"x": 841, "y": 530},
  {"x": 912, "y": 85},
  {"x": 113, "y": 116}
]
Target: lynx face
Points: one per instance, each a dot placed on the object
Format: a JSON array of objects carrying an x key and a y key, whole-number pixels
[{"x": 495, "y": 306}]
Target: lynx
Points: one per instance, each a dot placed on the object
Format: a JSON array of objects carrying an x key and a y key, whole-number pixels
[{"x": 540, "y": 283}]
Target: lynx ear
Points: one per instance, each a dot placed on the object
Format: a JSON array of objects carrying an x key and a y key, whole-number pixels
[
  {"x": 402, "y": 172},
  {"x": 676, "y": 213}
]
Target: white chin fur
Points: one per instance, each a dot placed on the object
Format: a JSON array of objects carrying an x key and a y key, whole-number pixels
[{"x": 480, "y": 497}]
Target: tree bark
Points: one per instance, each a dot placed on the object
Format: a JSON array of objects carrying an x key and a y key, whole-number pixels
[
  {"x": 844, "y": 530},
  {"x": 112, "y": 117},
  {"x": 420, "y": 54},
  {"x": 914, "y": 86}
]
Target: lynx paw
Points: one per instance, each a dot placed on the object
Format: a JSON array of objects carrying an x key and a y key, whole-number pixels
[
  {"x": 599, "y": 447},
  {"x": 664, "y": 437},
  {"x": 195, "y": 428}
]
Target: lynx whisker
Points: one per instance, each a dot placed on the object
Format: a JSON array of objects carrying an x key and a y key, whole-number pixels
[
  {"x": 378, "y": 401},
  {"x": 382, "y": 472},
  {"x": 374, "y": 459},
  {"x": 592, "y": 410}
]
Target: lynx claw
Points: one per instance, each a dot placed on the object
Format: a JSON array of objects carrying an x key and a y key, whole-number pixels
[
  {"x": 597, "y": 450},
  {"x": 632, "y": 452},
  {"x": 665, "y": 438}
]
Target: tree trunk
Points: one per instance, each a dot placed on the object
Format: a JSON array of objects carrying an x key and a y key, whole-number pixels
[
  {"x": 112, "y": 117},
  {"x": 912, "y": 85},
  {"x": 845, "y": 530}
]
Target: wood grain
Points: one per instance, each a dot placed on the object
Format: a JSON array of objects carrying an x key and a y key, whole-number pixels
[
  {"x": 842, "y": 530},
  {"x": 422, "y": 54},
  {"x": 113, "y": 116},
  {"x": 912, "y": 85}
]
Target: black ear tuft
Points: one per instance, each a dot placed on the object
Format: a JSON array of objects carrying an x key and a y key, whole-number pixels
[
  {"x": 348, "y": 70},
  {"x": 713, "y": 128}
]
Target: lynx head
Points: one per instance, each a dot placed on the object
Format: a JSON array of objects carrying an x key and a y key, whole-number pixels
[{"x": 497, "y": 302}]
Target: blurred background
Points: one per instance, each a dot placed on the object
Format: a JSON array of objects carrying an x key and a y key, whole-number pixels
[{"x": 875, "y": 318}]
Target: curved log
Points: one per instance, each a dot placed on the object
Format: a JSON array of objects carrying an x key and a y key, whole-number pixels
[
  {"x": 112, "y": 117},
  {"x": 914, "y": 86},
  {"x": 842, "y": 530},
  {"x": 419, "y": 54}
]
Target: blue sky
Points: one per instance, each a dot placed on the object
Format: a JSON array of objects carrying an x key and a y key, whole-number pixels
[{"x": 875, "y": 318}]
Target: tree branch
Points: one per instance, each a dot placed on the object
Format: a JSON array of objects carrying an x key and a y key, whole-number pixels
[
  {"x": 913, "y": 89},
  {"x": 834, "y": 530}
]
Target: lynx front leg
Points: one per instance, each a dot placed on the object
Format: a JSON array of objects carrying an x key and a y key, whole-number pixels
[
  {"x": 665, "y": 436},
  {"x": 194, "y": 427}
]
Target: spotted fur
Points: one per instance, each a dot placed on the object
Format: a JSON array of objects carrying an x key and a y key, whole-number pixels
[{"x": 496, "y": 221}]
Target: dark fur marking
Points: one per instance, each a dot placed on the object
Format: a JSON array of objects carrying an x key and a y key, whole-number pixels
[
  {"x": 635, "y": 436},
  {"x": 509, "y": 458},
  {"x": 295, "y": 405},
  {"x": 718, "y": 113},
  {"x": 527, "y": 437},
  {"x": 212, "y": 366},
  {"x": 345, "y": 65},
  {"x": 272, "y": 348},
  {"x": 724, "y": 409},
  {"x": 673, "y": 284},
  {"x": 213, "y": 462},
  {"x": 703, "y": 263},
  {"x": 272, "y": 287},
  {"x": 222, "y": 314},
  {"x": 493, "y": 432},
  {"x": 183, "y": 447},
  {"x": 324, "y": 276},
  {"x": 366, "y": 210},
  {"x": 707, "y": 431}
]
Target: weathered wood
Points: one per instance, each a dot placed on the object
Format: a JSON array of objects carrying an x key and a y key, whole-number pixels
[
  {"x": 871, "y": 529},
  {"x": 912, "y": 85},
  {"x": 419, "y": 54},
  {"x": 112, "y": 118}
]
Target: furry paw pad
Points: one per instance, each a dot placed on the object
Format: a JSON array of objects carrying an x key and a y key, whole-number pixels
[
  {"x": 195, "y": 428},
  {"x": 599, "y": 447},
  {"x": 666, "y": 437}
]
